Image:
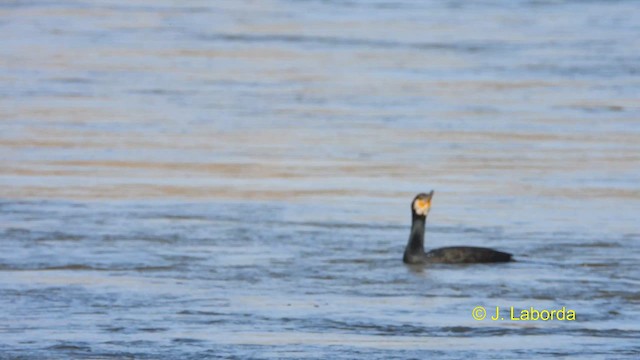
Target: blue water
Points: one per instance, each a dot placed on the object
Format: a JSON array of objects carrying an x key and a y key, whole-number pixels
[{"x": 232, "y": 179}]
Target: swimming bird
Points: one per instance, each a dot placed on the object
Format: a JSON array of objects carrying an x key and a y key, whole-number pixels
[{"x": 414, "y": 252}]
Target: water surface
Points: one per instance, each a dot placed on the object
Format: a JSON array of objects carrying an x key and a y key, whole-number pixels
[{"x": 232, "y": 179}]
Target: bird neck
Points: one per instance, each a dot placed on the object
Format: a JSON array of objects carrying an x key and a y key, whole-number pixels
[{"x": 416, "y": 238}]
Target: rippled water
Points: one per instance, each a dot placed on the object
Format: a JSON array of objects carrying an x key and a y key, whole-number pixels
[{"x": 232, "y": 178}]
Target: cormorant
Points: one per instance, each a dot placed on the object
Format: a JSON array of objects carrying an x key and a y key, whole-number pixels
[{"x": 414, "y": 252}]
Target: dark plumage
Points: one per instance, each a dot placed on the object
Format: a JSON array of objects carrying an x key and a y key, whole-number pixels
[{"x": 414, "y": 252}]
